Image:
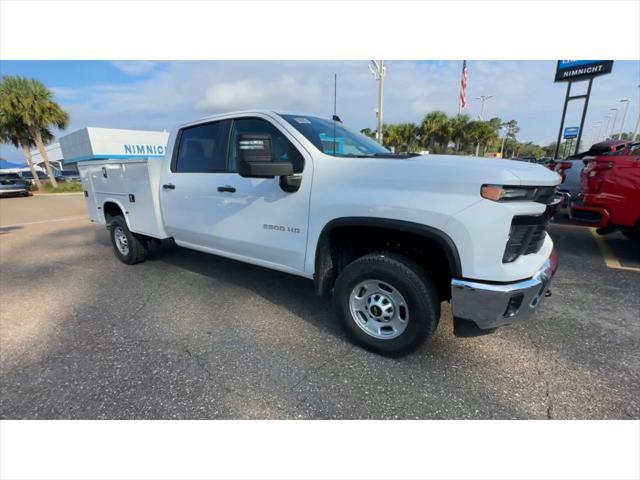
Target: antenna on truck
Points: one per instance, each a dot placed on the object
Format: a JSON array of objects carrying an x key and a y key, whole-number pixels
[{"x": 335, "y": 117}]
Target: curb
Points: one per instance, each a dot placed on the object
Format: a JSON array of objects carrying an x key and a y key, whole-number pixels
[{"x": 35, "y": 194}]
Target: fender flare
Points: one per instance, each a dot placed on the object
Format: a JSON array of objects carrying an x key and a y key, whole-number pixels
[
  {"x": 323, "y": 267},
  {"x": 120, "y": 206}
]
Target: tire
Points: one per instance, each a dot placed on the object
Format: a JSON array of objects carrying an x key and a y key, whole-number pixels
[
  {"x": 128, "y": 247},
  {"x": 370, "y": 281}
]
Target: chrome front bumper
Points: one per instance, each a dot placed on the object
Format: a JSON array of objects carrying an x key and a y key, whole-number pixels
[{"x": 491, "y": 305}]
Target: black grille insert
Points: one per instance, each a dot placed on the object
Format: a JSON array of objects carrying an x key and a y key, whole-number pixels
[{"x": 526, "y": 236}]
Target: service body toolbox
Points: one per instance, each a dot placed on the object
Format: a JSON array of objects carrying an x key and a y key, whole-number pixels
[{"x": 129, "y": 184}]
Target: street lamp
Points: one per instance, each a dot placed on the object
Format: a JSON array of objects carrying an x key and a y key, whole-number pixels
[
  {"x": 606, "y": 128},
  {"x": 378, "y": 69},
  {"x": 626, "y": 101},
  {"x": 483, "y": 98},
  {"x": 615, "y": 118},
  {"x": 595, "y": 129}
]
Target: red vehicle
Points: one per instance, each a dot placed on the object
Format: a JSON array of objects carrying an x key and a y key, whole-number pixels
[{"x": 610, "y": 198}]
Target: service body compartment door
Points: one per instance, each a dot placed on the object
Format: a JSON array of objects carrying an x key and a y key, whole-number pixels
[{"x": 89, "y": 194}]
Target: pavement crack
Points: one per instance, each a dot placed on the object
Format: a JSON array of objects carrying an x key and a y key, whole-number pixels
[
  {"x": 198, "y": 361},
  {"x": 321, "y": 367},
  {"x": 145, "y": 303},
  {"x": 540, "y": 372}
]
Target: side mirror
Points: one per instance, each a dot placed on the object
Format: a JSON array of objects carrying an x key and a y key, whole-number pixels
[{"x": 255, "y": 157}]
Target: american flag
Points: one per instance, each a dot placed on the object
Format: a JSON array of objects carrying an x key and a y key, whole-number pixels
[{"x": 463, "y": 85}]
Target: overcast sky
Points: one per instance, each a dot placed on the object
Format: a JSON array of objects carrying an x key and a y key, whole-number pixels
[{"x": 160, "y": 95}]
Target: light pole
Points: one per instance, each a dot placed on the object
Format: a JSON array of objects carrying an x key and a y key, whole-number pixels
[
  {"x": 626, "y": 101},
  {"x": 615, "y": 119},
  {"x": 606, "y": 128},
  {"x": 483, "y": 98},
  {"x": 378, "y": 69},
  {"x": 595, "y": 132}
]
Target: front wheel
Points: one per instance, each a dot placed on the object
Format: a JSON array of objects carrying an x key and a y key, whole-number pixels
[{"x": 387, "y": 303}]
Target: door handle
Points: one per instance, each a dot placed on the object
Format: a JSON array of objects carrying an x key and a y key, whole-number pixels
[
  {"x": 227, "y": 188},
  {"x": 169, "y": 186}
]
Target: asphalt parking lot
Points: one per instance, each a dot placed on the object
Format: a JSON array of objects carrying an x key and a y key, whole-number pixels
[{"x": 188, "y": 335}]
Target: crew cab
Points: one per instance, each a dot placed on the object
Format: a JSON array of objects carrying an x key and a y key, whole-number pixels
[
  {"x": 610, "y": 198},
  {"x": 389, "y": 236}
]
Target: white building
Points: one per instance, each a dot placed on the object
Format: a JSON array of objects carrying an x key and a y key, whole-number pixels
[{"x": 54, "y": 153}]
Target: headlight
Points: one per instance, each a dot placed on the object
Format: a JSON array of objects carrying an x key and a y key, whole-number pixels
[{"x": 503, "y": 193}]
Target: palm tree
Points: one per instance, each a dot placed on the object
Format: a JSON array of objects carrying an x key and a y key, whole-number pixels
[
  {"x": 432, "y": 127},
  {"x": 459, "y": 124},
  {"x": 31, "y": 103},
  {"x": 368, "y": 132},
  {"x": 480, "y": 133},
  {"x": 15, "y": 134}
]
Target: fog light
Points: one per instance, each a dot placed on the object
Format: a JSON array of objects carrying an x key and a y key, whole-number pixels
[{"x": 514, "y": 305}]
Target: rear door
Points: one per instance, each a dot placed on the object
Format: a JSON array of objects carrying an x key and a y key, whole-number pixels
[{"x": 189, "y": 197}]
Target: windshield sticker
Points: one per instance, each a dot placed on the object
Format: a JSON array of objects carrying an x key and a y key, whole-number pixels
[{"x": 301, "y": 120}]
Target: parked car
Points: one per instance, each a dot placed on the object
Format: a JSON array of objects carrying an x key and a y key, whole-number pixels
[
  {"x": 42, "y": 176},
  {"x": 610, "y": 198},
  {"x": 390, "y": 236},
  {"x": 528, "y": 159},
  {"x": 29, "y": 176},
  {"x": 13, "y": 184},
  {"x": 570, "y": 169},
  {"x": 69, "y": 176}
]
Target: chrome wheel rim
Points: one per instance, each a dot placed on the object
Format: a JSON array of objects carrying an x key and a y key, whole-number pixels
[
  {"x": 379, "y": 309},
  {"x": 122, "y": 244}
]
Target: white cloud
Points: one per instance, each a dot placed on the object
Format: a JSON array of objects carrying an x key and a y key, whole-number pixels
[
  {"x": 183, "y": 91},
  {"x": 288, "y": 91},
  {"x": 134, "y": 68}
]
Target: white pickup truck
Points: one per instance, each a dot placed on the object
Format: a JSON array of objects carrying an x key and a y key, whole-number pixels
[{"x": 389, "y": 236}]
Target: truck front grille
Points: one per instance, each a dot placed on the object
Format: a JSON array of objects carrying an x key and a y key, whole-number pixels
[
  {"x": 526, "y": 236},
  {"x": 545, "y": 195}
]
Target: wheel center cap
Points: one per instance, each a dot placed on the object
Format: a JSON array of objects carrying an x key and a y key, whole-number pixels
[{"x": 380, "y": 307}]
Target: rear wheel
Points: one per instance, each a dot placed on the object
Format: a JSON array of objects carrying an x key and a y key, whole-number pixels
[
  {"x": 128, "y": 247},
  {"x": 387, "y": 303}
]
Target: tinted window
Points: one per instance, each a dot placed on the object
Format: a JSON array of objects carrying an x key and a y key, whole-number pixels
[
  {"x": 283, "y": 150},
  {"x": 202, "y": 149},
  {"x": 333, "y": 138}
]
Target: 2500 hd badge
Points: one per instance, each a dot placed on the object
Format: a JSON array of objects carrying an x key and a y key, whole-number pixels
[{"x": 281, "y": 228}]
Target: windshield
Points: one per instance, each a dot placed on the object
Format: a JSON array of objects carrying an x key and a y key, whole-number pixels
[
  {"x": 9, "y": 176},
  {"x": 333, "y": 138}
]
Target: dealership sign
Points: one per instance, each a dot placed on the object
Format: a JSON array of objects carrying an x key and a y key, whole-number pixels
[
  {"x": 570, "y": 132},
  {"x": 572, "y": 70}
]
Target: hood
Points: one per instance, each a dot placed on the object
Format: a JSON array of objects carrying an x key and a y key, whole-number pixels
[{"x": 523, "y": 173}]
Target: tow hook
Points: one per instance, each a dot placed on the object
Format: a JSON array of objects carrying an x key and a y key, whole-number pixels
[{"x": 548, "y": 293}]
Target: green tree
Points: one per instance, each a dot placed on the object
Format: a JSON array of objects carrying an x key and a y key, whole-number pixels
[
  {"x": 15, "y": 134},
  {"x": 30, "y": 104},
  {"x": 432, "y": 127},
  {"x": 368, "y": 132},
  {"x": 459, "y": 125},
  {"x": 403, "y": 137},
  {"x": 481, "y": 134}
]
